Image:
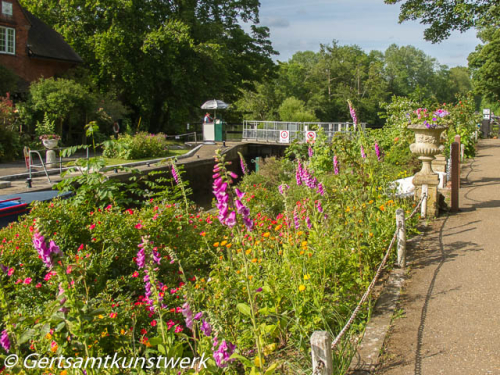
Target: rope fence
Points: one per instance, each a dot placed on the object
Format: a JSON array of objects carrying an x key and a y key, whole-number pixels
[{"x": 321, "y": 342}]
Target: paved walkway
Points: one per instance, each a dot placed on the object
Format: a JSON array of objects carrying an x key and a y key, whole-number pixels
[
  {"x": 450, "y": 307},
  {"x": 41, "y": 183}
]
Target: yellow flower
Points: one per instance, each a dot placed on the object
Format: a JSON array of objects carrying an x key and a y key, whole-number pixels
[
  {"x": 254, "y": 260},
  {"x": 223, "y": 243},
  {"x": 302, "y": 288},
  {"x": 300, "y": 233},
  {"x": 266, "y": 234},
  {"x": 347, "y": 209},
  {"x": 278, "y": 227},
  {"x": 370, "y": 201},
  {"x": 382, "y": 208},
  {"x": 250, "y": 277},
  {"x": 229, "y": 245},
  {"x": 257, "y": 361},
  {"x": 48, "y": 336},
  {"x": 216, "y": 244},
  {"x": 302, "y": 252},
  {"x": 64, "y": 372},
  {"x": 304, "y": 243},
  {"x": 100, "y": 316},
  {"x": 371, "y": 234},
  {"x": 307, "y": 277}
]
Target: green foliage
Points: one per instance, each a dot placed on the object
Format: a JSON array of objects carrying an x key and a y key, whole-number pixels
[
  {"x": 322, "y": 83},
  {"x": 92, "y": 188},
  {"x": 294, "y": 110},
  {"x": 47, "y": 126},
  {"x": 484, "y": 63},
  {"x": 8, "y": 81},
  {"x": 201, "y": 47},
  {"x": 10, "y": 145},
  {"x": 138, "y": 146},
  {"x": 446, "y": 15}
]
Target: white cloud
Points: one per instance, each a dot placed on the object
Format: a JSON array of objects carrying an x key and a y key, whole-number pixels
[{"x": 275, "y": 22}]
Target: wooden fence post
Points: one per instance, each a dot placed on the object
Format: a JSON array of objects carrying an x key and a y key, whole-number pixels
[
  {"x": 321, "y": 347},
  {"x": 457, "y": 139},
  {"x": 455, "y": 175},
  {"x": 401, "y": 225}
]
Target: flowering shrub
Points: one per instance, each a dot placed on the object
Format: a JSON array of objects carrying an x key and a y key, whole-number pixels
[
  {"x": 431, "y": 119},
  {"x": 138, "y": 146}
]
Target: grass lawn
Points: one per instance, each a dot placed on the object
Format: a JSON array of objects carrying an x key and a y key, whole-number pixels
[{"x": 116, "y": 161}]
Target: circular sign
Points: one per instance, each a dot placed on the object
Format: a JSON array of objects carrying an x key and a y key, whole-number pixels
[
  {"x": 311, "y": 136},
  {"x": 284, "y": 136}
]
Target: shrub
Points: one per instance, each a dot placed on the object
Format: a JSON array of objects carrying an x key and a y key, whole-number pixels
[{"x": 139, "y": 146}]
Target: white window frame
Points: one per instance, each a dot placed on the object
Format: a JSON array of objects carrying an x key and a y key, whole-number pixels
[
  {"x": 7, "y": 5},
  {"x": 6, "y": 40}
]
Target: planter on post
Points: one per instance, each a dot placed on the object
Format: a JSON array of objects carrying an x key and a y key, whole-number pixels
[
  {"x": 50, "y": 155},
  {"x": 427, "y": 146}
]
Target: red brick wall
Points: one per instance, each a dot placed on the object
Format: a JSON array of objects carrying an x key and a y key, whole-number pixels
[{"x": 29, "y": 69}]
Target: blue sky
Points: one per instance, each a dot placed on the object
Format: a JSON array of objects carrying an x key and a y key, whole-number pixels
[{"x": 300, "y": 25}]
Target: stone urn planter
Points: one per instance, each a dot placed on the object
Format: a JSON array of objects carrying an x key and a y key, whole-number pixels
[
  {"x": 50, "y": 144},
  {"x": 427, "y": 146}
]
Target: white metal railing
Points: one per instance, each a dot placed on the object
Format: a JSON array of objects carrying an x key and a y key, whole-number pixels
[{"x": 269, "y": 131}]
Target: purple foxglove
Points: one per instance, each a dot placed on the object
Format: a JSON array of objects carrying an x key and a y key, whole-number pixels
[
  {"x": 363, "y": 155},
  {"x": 308, "y": 222},
  {"x": 4, "y": 341},
  {"x": 239, "y": 194},
  {"x": 231, "y": 219},
  {"x": 206, "y": 328},
  {"x": 336, "y": 164},
  {"x": 377, "y": 151}
]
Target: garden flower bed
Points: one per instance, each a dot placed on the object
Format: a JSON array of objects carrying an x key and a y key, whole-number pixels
[{"x": 288, "y": 252}]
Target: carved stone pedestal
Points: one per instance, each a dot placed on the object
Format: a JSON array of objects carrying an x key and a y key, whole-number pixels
[
  {"x": 50, "y": 159},
  {"x": 426, "y": 146},
  {"x": 439, "y": 165}
]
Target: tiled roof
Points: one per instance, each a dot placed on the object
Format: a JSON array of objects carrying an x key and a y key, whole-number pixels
[{"x": 44, "y": 42}]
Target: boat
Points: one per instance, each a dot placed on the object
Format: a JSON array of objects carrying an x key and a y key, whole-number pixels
[{"x": 13, "y": 206}]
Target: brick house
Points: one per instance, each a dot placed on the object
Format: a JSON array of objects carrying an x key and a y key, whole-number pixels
[{"x": 30, "y": 48}]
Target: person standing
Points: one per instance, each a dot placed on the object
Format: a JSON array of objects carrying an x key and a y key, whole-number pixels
[{"x": 207, "y": 119}]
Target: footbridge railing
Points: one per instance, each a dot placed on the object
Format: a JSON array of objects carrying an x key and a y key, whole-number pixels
[{"x": 287, "y": 132}]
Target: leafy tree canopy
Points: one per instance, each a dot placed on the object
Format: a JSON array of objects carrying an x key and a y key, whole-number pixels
[
  {"x": 164, "y": 58},
  {"x": 445, "y": 16}
]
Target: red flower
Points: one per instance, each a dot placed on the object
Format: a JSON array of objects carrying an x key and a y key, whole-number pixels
[{"x": 153, "y": 323}]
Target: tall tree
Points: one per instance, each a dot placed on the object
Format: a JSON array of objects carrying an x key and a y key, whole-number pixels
[
  {"x": 164, "y": 57},
  {"x": 444, "y": 16},
  {"x": 484, "y": 63}
]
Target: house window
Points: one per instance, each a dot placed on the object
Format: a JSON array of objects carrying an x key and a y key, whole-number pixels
[
  {"x": 6, "y": 8},
  {"x": 7, "y": 40}
]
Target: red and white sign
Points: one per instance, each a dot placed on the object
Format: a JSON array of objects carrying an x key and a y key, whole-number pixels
[
  {"x": 284, "y": 136},
  {"x": 310, "y": 136}
]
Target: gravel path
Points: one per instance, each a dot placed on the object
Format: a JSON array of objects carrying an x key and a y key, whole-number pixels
[{"x": 450, "y": 307}]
